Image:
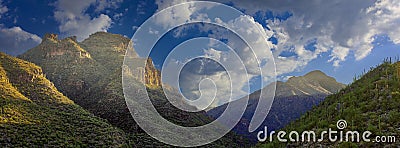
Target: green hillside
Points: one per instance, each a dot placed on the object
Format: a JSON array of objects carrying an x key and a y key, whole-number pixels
[
  {"x": 34, "y": 113},
  {"x": 370, "y": 103}
]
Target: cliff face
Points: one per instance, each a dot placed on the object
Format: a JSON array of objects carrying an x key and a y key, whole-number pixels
[{"x": 152, "y": 75}]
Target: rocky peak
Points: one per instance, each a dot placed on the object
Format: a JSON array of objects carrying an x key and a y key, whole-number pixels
[
  {"x": 103, "y": 42},
  {"x": 53, "y": 47},
  {"x": 316, "y": 74},
  {"x": 54, "y": 38},
  {"x": 50, "y": 37},
  {"x": 313, "y": 83}
]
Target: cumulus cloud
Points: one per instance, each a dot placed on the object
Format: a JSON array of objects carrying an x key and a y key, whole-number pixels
[
  {"x": 186, "y": 12},
  {"x": 339, "y": 27},
  {"x": 242, "y": 62},
  {"x": 198, "y": 70},
  {"x": 73, "y": 19},
  {"x": 336, "y": 26},
  {"x": 385, "y": 18},
  {"x": 104, "y": 4},
  {"x": 15, "y": 40}
]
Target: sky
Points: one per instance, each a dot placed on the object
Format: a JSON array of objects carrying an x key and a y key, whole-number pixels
[{"x": 339, "y": 37}]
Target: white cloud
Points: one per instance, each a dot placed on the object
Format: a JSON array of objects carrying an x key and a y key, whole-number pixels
[
  {"x": 15, "y": 41},
  {"x": 117, "y": 16},
  {"x": 73, "y": 19},
  {"x": 134, "y": 28},
  {"x": 185, "y": 12},
  {"x": 340, "y": 54},
  {"x": 338, "y": 26},
  {"x": 173, "y": 16},
  {"x": 104, "y": 4},
  {"x": 3, "y": 9},
  {"x": 212, "y": 53},
  {"x": 245, "y": 68},
  {"x": 241, "y": 62},
  {"x": 385, "y": 18}
]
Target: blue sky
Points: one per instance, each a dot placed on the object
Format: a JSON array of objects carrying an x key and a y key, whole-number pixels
[{"x": 339, "y": 37}]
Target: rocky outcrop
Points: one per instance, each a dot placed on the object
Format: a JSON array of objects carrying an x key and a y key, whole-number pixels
[
  {"x": 50, "y": 36},
  {"x": 52, "y": 47},
  {"x": 30, "y": 77},
  {"x": 149, "y": 75}
]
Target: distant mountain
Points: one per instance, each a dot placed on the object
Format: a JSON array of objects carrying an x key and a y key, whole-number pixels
[
  {"x": 90, "y": 73},
  {"x": 34, "y": 114},
  {"x": 370, "y": 103},
  {"x": 313, "y": 83},
  {"x": 292, "y": 99}
]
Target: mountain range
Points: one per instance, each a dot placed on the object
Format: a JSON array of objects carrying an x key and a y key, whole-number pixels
[
  {"x": 292, "y": 98},
  {"x": 65, "y": 93},
  {"x": 90, "y": 74}
]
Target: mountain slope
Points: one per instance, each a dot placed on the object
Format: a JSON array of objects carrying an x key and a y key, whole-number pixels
[
  {"x": 292, "y": 99},
  {"x": 370, "y": 103},
  {"x": 34, "y": 113},
  {"x": 101, "y": 91}
]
